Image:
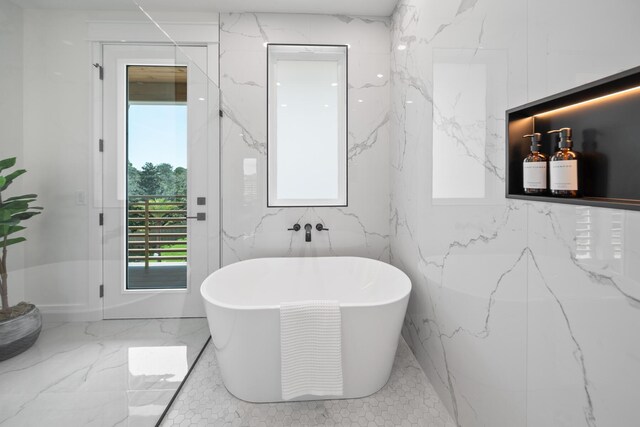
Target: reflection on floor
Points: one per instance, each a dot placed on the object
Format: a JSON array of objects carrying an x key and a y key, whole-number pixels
[
  {"x": 158, "y": 276},
  {"x": 408, "y": 399},
  {"x": 107, "y": 373}
]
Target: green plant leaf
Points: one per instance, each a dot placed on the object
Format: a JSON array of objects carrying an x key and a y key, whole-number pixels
[
  {"x": 5, "y": 218},
  {"x": 23, "y": 197},
  {"x": 16, "y": 209},
  {"x": 7, "y": 163},
  {"x": 6, "y": 230},
  {"x": 24, "y": 215},
  {"x": 10, "y": 224},
  {"x": 11, "y": 204},
  {"x": 9, "y": 178},
  {"x": 10, "y": 242},
  {"x": 15, "y": 206},
  {"x": 5, "y": 215}
]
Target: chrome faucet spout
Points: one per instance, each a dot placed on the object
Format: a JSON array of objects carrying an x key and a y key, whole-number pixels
[{"x": 307, "y": 232}]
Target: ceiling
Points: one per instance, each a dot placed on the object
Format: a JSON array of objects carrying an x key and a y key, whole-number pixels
[
  {"x": 157, "y": 83},
  {"x": 329, "y": 7}
]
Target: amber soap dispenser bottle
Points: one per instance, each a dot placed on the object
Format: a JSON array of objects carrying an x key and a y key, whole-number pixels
[
  {"x": 563, "y": 167},
  {"x": 534, "y": 168}
]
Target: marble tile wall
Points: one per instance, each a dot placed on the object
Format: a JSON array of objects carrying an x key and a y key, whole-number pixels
[
  {"x": 583, "y": 276},
  {"x": 11, "y": 119},
  {"x": 461, "y": 242},
  {"x": 11, "y": 37},
  {"x": 521, "y": 313},
  {"x": 250, "y": 229}
]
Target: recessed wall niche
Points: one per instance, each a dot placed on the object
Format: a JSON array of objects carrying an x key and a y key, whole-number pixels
[{"x": 605, "y": 118}]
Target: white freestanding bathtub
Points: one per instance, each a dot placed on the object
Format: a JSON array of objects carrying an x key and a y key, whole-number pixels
[{"x": 242, "y": 302}]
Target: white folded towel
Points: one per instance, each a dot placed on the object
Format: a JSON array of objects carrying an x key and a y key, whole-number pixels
[{"x": 310, "y": 349}]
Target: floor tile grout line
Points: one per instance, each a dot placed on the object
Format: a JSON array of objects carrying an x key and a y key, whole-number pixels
[
  {"x": 414, "y": 395},
  {"x": 177, "y": 392}
]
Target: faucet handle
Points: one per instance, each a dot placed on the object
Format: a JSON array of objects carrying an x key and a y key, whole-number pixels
[
  {"x": 296, "y": 227},
  {"x": 321, "y": 227}
]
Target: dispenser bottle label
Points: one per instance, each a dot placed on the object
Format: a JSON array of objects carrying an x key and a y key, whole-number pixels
[
  {"x": 564, "y": 175},
  {"x": 535, "y": 175}
]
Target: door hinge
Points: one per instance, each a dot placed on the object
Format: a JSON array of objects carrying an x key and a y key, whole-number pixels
[
  {"x": 101, "y": 291},
  {"x": 100, "y": 70},
  {"x": 101, "y": 219},
  {"x": 101, "y": 145},
  {"x": 220, "y": 112}
]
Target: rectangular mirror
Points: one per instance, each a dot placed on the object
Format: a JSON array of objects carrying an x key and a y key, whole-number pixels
[{"x": 307, "y": 125}]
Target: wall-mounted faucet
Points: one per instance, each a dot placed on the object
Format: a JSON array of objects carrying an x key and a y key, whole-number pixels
[
  {"x": 296, "y": 227},
  {"x": 307, "y": 230}
]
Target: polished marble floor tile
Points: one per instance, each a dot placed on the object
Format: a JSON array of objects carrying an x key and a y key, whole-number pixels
[
  {"x": 408, "y": 399},
  {"x": 106, "y": 373}
]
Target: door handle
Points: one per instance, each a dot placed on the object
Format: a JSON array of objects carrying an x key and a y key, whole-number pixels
[{"x": 200, "y": 216}]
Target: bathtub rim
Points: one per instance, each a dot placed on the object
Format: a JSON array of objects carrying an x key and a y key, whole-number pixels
[{"x": 217, "y": 303}]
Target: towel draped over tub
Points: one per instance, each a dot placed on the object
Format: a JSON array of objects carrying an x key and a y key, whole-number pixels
[{"x": 310, "y": 349}]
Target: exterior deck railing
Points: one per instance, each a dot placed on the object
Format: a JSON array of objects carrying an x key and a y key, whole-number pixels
[{"x": 157, "y": 229}]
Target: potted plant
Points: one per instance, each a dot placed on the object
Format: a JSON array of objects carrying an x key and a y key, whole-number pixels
[{"x": 19, "y": 325}]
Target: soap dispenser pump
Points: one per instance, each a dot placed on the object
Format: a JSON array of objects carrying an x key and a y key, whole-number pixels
[
  {"x": 563, "y": 166},
  {"x": 534, "y": 168}
]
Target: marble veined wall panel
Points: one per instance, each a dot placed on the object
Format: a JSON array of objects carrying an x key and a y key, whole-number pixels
[
  {"x": 456, "y": 67},
  {"x": 522, "y": 313},
  {"x": 584, "y": 276},
  {"x": 250, "y": 229}
]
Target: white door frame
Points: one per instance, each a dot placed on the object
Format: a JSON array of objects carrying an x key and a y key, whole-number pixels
[{"x": 212, "y": 160}]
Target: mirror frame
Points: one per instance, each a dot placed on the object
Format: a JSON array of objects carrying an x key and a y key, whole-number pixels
[{"x": 272, "y": 202}]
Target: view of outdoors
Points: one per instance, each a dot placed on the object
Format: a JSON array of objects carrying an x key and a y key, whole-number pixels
[{"x": 157, "y": 177}]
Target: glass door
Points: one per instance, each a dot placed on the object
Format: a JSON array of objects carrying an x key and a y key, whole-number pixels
[{"x": 156, "y": 117}]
